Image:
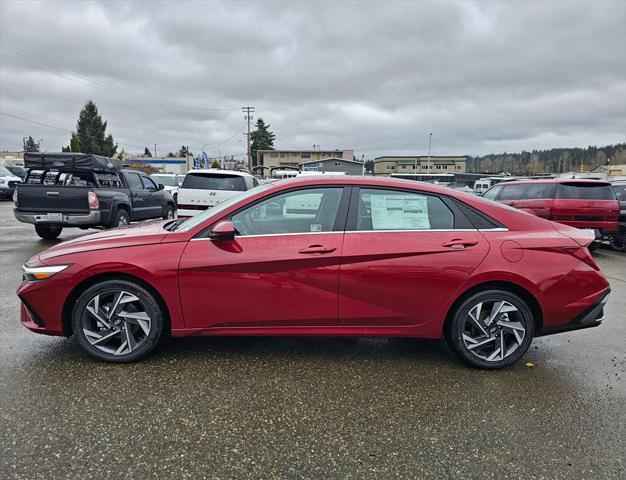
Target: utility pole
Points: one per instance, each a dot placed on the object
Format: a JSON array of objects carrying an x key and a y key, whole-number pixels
[
  {"x": 155, "y": 154},
  {"x": 430, "y": 137},
  {"x": 248, "y": 117}
]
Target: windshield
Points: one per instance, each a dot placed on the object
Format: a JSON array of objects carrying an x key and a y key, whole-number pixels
[
  {"x": 168, "y": 181},
  {"x": 201, "y": 217},
  {"x": 214, "y": 181}
]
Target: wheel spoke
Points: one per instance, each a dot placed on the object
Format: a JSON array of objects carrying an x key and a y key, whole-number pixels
[
  {"x": 480, "y": 344},
  {"x": 130, "y": 338},
  {"x": 137, "y": 318},
  {"x": 100, "y": 337},
  {"x": 495, "y": 310},
  {"x": 515, "y": 328},
  {"x": 94, "y": 309}
]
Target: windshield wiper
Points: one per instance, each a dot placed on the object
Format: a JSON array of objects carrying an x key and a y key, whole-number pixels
[{"x": 170, "y": 227}]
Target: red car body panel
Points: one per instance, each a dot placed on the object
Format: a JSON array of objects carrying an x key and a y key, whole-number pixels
[{"x": 374, "y": 283}]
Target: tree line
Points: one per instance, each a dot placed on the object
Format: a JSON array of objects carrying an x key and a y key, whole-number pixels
[{"x": 554, "y": 160}]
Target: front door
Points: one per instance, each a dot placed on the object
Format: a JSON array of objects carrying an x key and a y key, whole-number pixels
[
  {"x": 404, "y": 255},
  {"x": 281, "y": 270},
  {"x": 154, "y": 204}
]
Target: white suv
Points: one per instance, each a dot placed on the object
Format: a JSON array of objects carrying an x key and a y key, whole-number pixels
[
  {"x": 170, "y": 182},
  {"x": 204, "y": 189}
]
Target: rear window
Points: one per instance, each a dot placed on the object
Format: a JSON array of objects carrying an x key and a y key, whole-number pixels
[
  {"x": 620, "y": 192},
  {"x": 511, "y": 192},
  {"x": 538, "y": 190},
  {"x": 212, "y": 181},
  {"x": 67, "y": 179},
  {"x": 585, "y": 191}
]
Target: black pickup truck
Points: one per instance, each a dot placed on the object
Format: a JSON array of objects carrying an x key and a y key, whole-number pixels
[{"x": 80, "y": 190}]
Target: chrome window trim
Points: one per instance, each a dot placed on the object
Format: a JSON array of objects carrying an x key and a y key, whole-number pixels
[{"x": 365, "y": 231}]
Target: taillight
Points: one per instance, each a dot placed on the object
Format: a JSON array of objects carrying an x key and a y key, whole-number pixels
[
  {"x": 94, "y": 203},
  {"x": 582, "y": 254}
]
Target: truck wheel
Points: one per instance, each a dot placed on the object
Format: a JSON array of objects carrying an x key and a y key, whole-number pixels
[
  {"x": 169, "y": 212},
  {"x": 48, "y": 232},
  {"x": 121, "y": 219}
]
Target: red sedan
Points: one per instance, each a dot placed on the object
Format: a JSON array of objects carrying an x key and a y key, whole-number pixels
[{"x": 323, "y": 256}]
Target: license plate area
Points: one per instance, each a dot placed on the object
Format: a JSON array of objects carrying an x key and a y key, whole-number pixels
[{"x": 51, "y": 217}]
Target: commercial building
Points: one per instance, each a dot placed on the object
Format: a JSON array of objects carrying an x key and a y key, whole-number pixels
[
  {"x": 418, "y": 164},
  {"x": 292, "y": 158},
  {"x": 611, "y": 170},
  {"x": 350, "y": 167}
]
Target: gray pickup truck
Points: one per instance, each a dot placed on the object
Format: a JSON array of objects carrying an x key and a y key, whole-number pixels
[{"x": 78, "y": 190}]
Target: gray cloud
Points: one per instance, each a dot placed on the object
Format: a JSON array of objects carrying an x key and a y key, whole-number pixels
[{"x": 376, "y": 77}]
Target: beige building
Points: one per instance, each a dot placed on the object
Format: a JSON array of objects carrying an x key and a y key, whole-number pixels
[
  {"x": 291, "y": 158},
  {"x": 408, "y": 164},
  {"x": 611, "y": 170}
]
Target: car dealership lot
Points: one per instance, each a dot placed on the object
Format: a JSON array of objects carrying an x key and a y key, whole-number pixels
[{"x": 307, "y": 407}]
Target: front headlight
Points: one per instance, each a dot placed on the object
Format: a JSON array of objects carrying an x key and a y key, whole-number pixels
[{"x": 32, "y": 274}]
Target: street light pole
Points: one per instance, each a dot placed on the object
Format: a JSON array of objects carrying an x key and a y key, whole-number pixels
[{"x": 430, "y": 137}]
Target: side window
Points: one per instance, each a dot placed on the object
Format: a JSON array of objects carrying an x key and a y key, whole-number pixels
[
  {"x": 511, "y": 192},
  {"x": 492, "y": 193},
  {"x": 539, "y": 191},
  {"x": 255, "y": 182},
  {"x": 394, "y": 210},
  {"x": 298, "y": 211},
  {"x": 149, "y": 184},
  {"x": 134, "y": 182}
]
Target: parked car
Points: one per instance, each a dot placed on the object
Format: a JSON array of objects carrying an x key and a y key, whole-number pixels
[
  {"x": 171, "y": 182},
  {"x": 205, "y": 188},
  {"x": 376, "y": 257},
  {"x": 8, "y": 182},
  {"x": 17, "y": 170},
  {"x": 587, "y": 204},
  {"x": 618, "y": 242},
  {"x": 78, "y": 190}
]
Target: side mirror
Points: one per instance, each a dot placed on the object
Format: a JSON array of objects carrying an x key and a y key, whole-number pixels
[
  {"x": 180, "y": 184},
  {"x": 161, "y": 186},
  {"x": 224, "y": 230}
]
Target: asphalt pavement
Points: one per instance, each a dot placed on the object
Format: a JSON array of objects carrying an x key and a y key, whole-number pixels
[{"x": 307, "y": 407}]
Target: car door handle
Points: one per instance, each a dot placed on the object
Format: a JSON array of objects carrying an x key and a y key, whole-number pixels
[
  {"x": 316, "y": 249},
  {"x": 458, "y": 243}
]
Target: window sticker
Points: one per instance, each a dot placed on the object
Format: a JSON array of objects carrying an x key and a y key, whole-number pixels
[{"x": 399, "y": 212}]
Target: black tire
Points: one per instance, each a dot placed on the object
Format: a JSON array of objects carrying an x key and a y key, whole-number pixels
[
  {"x": 170, "y": 212},
  {"x": 618, "y": 243},
  {"x": 48, "y": 232},
  {"x": 83, "y": 321},
  {"x": 175, "y": 196},
  {"x": 593, "y": 246},
  {"x": 121, "y": 218},
  {"x": 458, "y": 331}
]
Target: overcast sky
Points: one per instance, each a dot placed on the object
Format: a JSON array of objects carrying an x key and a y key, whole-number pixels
[{"x": 375, "y": 77}]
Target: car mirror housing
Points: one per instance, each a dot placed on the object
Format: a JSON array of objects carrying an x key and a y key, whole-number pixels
[
  {"x": 161, "y": 186},
  {"x": 224, "y": 230}
]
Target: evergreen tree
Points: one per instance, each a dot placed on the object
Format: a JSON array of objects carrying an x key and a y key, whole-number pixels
[
  {"x": 261, "y": 139},
  {"x": 184, "y": 151},
  {"x": 215, "y": 164},
  {"x": 74, "y": 144},
  {"x": 147, "y": 152},
  {"x": 170, "y": 155},
  {"x": 30, "y": 145},
  {"x": 91, "y": 132}
]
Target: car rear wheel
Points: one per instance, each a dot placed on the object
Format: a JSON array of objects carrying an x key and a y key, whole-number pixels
[
  {"x": 117, "y": 321},
  {"x": 48, "y": 232},
  {"x": 491, "y": 329},
  {"x": 121, "y": 219}
]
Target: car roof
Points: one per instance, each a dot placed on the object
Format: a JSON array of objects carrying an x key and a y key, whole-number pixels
[
  {"x": 555, "y": 180},
  {"x": 217, "y": 171}
]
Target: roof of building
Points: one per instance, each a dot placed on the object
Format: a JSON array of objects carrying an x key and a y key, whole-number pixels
[
  {"x": 335, "y": 159},
  {"x": 407, "y": 157}
]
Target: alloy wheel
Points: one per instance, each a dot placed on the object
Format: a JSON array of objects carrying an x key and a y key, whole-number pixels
[
  {"x": 116, "y": 322},
  {"x": 493, "y": 330},
  {"x": 122, "y": 222}
]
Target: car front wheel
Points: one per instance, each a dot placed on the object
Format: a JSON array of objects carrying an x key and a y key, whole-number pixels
[
  {"x": 117, "y": 321},
  {"x": 491, "y": 329}
]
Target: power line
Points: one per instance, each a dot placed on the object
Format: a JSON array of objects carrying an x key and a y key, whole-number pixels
[
  {"x": 35, "y": 122},
  {"x": 68, "y": 74}
]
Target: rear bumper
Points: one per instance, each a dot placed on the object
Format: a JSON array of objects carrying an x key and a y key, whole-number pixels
[
  {"x": 603, "y": 227},
  {"x": 93, "y": 218},
  {"x": 592, "y": 316}
]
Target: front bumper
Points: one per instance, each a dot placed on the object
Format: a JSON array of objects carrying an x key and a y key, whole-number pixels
[
  {"x": 592, "y": 316},
  {"x": 4, "y": 190},
  {"x": 93, "y": 218}
]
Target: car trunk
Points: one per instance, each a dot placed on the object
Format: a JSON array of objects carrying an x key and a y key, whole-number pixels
[
  {"x": 585, "y": 205},
  {"x": 52, "y": 199}
]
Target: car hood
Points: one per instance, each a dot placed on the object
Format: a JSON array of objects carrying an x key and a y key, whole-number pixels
[
  {"x": 133, "y": 235},
  {"x": 11, "y": 178}
]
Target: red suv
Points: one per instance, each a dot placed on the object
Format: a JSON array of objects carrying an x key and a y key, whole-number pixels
[{"x": 588, "y": 204}]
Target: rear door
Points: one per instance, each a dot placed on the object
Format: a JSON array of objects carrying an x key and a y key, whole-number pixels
[
  {"x": 404, "y": 254},
  {"x": 537, "y": 199},
  {"x": 510, "y": 194}
]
